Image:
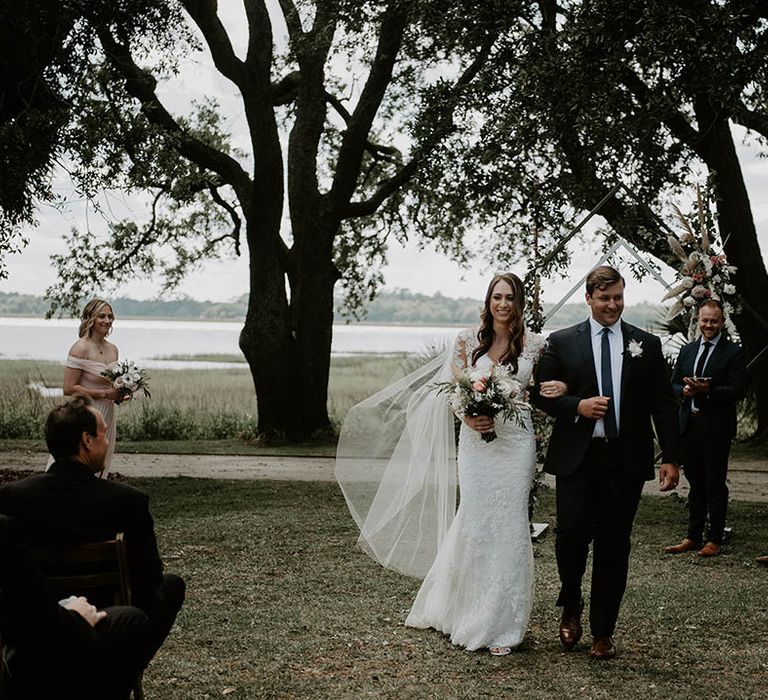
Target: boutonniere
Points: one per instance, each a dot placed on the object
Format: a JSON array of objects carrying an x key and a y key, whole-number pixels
[{"x": 635, "y": 348}]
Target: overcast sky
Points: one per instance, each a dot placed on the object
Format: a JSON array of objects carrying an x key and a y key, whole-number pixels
[{"x": 420, "y": 271}]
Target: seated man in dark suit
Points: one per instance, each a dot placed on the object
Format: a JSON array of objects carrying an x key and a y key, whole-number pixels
[
  {"x": 63, "y": 650},
  {"x": 710, "y": 378},
  {"x": 70, "y": 504}
]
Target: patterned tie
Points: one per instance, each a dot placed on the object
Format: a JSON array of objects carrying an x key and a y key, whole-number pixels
[
  {"x": 700, "y": 368},
  {"x": 606, "y": 375}
]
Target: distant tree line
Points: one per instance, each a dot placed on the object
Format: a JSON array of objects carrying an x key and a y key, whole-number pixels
[{"x": 399, "y": 306}]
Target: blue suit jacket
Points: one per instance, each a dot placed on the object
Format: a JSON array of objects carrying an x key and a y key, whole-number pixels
[{"x": 727, "y": 370}]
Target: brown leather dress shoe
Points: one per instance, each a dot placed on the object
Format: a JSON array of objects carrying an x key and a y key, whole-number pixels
[
  {"x": 762, "y": 560},
  {"x": 570, "y": 625},
  {"x": 685, "y": 546},
  {"x": 603, "y": 648},
  {"x": 710, "y": 549}
]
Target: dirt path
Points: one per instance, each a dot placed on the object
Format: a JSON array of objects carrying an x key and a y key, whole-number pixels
[{"x": 748, "y": 480}]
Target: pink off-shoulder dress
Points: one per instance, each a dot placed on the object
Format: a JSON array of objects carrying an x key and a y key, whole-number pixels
[{"x": 91, "y": 379}]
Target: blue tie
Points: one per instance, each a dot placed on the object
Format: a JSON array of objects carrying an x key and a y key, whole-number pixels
[{"x": 609, "y": 421}]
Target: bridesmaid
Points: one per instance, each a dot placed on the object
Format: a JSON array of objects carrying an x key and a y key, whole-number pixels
[{"x": 87, "y": 359}]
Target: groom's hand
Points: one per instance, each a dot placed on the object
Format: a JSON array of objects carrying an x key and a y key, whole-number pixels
[
  {"x": 669, "y": 476},
  {"x": 595, "y": 407}
]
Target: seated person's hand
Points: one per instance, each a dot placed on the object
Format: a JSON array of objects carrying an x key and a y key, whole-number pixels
[
  {"x": 553, "y": 388},
  {"x": 87, "y": 611}
]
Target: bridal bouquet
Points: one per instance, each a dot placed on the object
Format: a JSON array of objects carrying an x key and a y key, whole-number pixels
[
  {"x": 481, "y": 392},
  {"x": 128, "y": 378}
]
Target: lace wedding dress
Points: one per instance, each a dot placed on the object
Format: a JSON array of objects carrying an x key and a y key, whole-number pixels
[
  {"x": 396, "y": 464},
  {"x": 479, "y": 589}
]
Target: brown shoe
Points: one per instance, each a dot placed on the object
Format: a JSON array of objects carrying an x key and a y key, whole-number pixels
[
  {"x": 685, "y": 546},
  {"x": 603, "y": 648},
  {"x": 570, "y": 625},
  {"x": 710, "y": 549},
  {"x": 762, "y": 560}
]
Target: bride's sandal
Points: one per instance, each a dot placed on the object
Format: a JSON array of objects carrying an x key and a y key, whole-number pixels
[{"x": 500, "y": 651}]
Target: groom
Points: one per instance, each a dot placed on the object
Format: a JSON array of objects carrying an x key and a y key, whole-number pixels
[{"x": 601, "y": 450}]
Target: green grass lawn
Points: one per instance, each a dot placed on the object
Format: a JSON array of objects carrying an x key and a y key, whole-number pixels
[{"x": 282, "y": 604}]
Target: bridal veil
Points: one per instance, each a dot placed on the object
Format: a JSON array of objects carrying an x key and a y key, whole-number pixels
[{"x": 396, "y": 466}]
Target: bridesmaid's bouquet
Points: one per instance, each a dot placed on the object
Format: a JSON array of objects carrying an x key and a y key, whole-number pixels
[
  {"x": 128, "y": 378},
  {"x": 483, "y": 392}
]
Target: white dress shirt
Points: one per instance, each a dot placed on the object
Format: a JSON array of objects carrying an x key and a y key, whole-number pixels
[{"x": 616, "y": 340}]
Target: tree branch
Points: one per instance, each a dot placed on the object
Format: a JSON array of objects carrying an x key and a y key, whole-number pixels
[
  {"x": 674, "y": 120},
  {"x": 751, "y": 119},
  {"x": 203, "y": 12},
  {"x": 141, "y": 85},
  {"x": 444, "y": 127},
  {"x": 377, "y": 150},
  {"x": 292, "y": 21},
  {"x": 286, "y": 89},
  {"x": 393, "y": 25},
  {"x": 237, "y": 222}
]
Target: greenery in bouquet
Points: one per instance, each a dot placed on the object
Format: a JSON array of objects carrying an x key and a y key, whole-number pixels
[
  {"x": 704, "y": 272},
  {"x": 481, "y": 392},
  {"x": 128, "y": 378}
]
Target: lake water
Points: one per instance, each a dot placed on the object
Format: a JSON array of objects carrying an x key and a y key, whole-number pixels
[{"x": 147, "y": 341}]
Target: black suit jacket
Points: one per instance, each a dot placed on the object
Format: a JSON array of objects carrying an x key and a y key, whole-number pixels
[
  {"x": 727, "y": 370},
  {"x": 68, "y": 503},
  {"x": 30, "y": 616},
  {"x": 645, "y": 394}
]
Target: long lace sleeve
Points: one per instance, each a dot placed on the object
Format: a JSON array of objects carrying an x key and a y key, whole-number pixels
[{"x": 461, "y": 353}]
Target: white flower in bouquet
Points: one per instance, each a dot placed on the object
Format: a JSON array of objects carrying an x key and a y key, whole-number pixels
[
  {"x": 699, "y": 291},
  {"x": 128, "y": 378}
]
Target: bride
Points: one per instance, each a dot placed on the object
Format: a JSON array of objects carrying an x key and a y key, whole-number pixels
[{"x": 396, "y": 465}]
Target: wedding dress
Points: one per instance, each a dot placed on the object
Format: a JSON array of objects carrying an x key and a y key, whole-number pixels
[{"x": 477, "y": 560}]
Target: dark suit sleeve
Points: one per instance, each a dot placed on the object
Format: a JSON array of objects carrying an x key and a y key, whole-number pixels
[
  {"x": 30, "y": 616},
  {"x": 144, "y": 562},
  {"x": 550, "y": 367},
  {"x": 678, "y": 373},
  {"x": 664, "y": 407},
  {"x": 733, "y": 387}
]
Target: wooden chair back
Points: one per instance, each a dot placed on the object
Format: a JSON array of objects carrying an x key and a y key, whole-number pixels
[
  {"x": 82, "y": 569},
  {"x": 90, "y": 568}
]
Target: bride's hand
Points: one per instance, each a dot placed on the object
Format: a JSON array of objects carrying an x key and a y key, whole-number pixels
[
  {"x": 553, "y": 389},
  {"x": 482, "y": 424}
]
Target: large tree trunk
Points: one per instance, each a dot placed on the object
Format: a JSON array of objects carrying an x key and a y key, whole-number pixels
[
  {"x": 312, "y": 310},
  {"x": 737, "y": 228},
  {"x": 288, "y": 344}
]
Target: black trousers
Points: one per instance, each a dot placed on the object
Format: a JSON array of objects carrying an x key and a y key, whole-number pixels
[
  {"x": 705, "y": 464},
  {"x": 102, "y": 665},
  {"x": 162, "y": 609},
  {"x": 596, "y": 504}
]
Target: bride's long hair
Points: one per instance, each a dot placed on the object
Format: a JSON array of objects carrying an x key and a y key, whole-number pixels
[{"x": 485, "y": 334}]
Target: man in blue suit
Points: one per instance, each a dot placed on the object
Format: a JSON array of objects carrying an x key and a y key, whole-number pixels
[{"x": 710, "y": 377}]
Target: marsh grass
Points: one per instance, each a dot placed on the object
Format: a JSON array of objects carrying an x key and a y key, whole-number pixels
[
  {"x": 188, "y": 404},
  {"x": 282, "y": 604}
]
